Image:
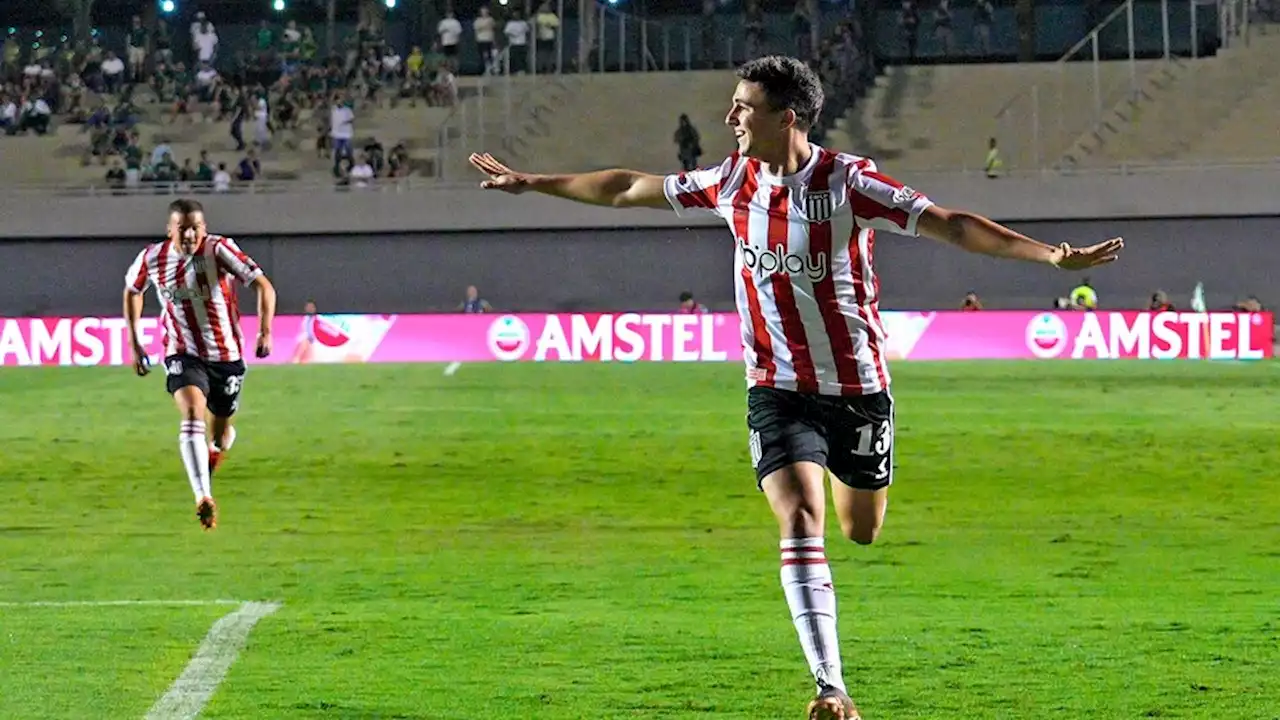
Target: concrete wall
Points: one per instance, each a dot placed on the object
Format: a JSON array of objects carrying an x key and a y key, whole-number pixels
[{"x": 646, "y": 268}]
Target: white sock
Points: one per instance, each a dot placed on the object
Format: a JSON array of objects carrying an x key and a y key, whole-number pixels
[
  {"x": 806, "y": 582},
  {"x": 194, "y": 448}
]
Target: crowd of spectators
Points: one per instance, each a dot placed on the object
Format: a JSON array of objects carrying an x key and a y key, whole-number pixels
[{"x": 282, "y": 90}]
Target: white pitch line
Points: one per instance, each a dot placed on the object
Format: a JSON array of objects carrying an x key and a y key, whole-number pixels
[
  {"x": 119, "y": 603},
  {"x": 188, "y": 695}
]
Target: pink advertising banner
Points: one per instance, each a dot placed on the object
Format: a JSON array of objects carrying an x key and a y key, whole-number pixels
[{"x": 645, "y": 337}]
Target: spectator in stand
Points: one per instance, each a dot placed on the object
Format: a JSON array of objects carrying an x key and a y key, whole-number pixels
[
  {"x": 517, "y": 32},
  {"x": 398, "y": 161},
  {"x": 35, "y": 115},
  {"x": 444, "y": 87},
  {"x": 391, "y": 66},
  {"x": 204, "y": 40},
  {"x": 342, "y": 171},
  {"x": 250, "y": 168},
  {"x": 113, "y": 73},
  {"x": 115, "y": 176},
  {"x": 449, "y": 31},
  {"x": 688, "y": 143},
  {"x": 802, "y": 30},
  {"x": 971, "y": 302},
  {"x": 909, "y": 25},
  {"x": 187, "y": 175},
  {"x": 993, "y": 165},
  {"x": 206, "y": 83},
  {"x": 361, "y": 173},
  {"x": 548, "y": 24},
  {"x": 690, "y": 306},
  {"x": 484, "y": 26},
  {"x": 753, "y": 26},
  {"x": 262, "y": 122},
  {"x": 942, "y": 26},
  {"x": 222, "y": 179},
  {"x": 162, "y": 43},
  {"x": 341, "y": 128},
  {"x": 239, "y": 114},
  {"x": 376, "y": 155},
  {"x": 8, "y": 115},
  {"x": 983, "y": 15},
  {"x": 290, "y": 48},
  {"x": 137, "y": 50},
  {"x": 204, "y": 172}
]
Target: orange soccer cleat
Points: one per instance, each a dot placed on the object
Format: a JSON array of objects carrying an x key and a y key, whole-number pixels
[
  {"x": 207, "y": 512},
  {"x": 832, "y": 703}
]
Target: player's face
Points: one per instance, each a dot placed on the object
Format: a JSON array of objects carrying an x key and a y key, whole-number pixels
[
  {"x": 187, "y": 231},
  {"x": 757, "y": 127}
]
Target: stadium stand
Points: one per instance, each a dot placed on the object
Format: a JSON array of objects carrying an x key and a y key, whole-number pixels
[
  {"x": 918, "y": 114},
  {"x": 620, "y": 119},
  {"x": 933, "y": 117},
  {"x": 1210, "y": 109}
]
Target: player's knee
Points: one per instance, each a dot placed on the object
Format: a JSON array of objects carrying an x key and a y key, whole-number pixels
[
  {"x": 863, "y": 533},
  {"x": 800, "y": 520}
]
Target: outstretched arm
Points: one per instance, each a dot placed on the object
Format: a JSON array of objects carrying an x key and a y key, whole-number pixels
[
  {"x": 978, "y": 234},
  {"x": 610, "y": 188}
]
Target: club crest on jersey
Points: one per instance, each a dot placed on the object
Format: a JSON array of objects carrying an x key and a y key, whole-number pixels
[{"x": 818, "y": 206}]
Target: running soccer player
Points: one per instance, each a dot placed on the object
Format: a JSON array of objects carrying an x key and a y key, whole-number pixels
[
  {"x": 192, "y": 273},
  {"x": 804, "y": 219}
]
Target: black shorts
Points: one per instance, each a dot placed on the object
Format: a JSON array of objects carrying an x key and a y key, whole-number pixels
[
  {"x": 219, "y": 381},
  {"x": 851, "y": 436}
]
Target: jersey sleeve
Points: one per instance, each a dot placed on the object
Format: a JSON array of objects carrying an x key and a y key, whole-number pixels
[
  {"x": 696, "y": 192},
  {"x": 233, "y": 261},
  {"x": 136, "y": 278},
  {"x": 881, "y": 203}
]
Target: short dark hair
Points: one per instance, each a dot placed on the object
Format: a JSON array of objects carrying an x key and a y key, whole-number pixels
[
  {"x": 788, "y": 84},
  {"x": 686, "y": 296},
  {"x": 185, "y": 206}
]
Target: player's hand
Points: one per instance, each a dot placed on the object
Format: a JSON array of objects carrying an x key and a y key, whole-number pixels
[
  {"x": 141, "y": 361},
  {"x": 1069, "y": 258},
  {"x": 264, "y": 344},
  {"x": 501, "y": 177}
]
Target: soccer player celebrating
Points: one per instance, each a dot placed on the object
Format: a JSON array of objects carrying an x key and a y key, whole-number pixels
[
  {"x": 804, "y": 219},
  {"x": 192, "y": 272}
]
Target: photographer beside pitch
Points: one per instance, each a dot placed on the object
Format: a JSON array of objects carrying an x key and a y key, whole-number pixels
[{"x": 203, "y": 347}]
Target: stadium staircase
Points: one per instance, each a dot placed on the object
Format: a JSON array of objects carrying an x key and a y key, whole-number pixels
[
  {"x": 939, "y": 117},
  {"x": 1206, "y": 109}
]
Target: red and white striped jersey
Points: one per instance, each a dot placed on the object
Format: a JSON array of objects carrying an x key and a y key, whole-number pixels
[
  {"x": 199, "y": 312},
  {"x": 805, "y": 280}
]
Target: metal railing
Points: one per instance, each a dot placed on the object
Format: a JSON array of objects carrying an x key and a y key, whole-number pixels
[{"x": 1038, "y": 125}]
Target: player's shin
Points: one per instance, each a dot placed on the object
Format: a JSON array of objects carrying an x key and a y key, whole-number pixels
[
  {"x": 194, "y": 448},
  {"x": 806, "y": 582}
]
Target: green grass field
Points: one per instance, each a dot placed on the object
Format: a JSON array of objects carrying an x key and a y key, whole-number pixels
[{"x": 556, "y": 542}]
